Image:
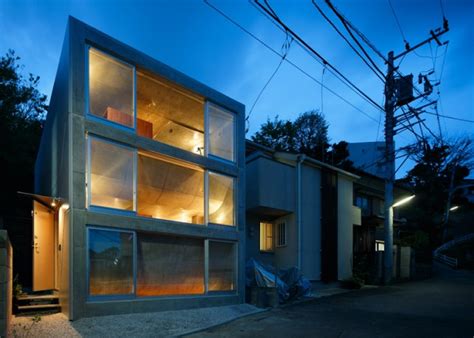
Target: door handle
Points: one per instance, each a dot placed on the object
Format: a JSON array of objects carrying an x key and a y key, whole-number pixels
[{"x": 36, "y": 248}]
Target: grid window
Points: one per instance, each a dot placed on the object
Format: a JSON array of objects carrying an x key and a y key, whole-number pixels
[{"x": 281, "y": 234}]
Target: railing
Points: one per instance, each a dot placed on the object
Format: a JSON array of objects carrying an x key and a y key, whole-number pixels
[{"x": 453, "y": 262}]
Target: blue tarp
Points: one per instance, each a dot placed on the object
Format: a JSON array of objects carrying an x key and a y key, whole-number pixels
[{"x": 289, "y": 282}]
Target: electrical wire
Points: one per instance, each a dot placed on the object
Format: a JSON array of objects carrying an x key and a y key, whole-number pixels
[
  {"x": 286, "y": 48},
  {"x": 316, "y": 55},
  {"x": 288, "y": 60},
  {"x": 377, "y": 70},
  {"x": 398, "y": 22}
]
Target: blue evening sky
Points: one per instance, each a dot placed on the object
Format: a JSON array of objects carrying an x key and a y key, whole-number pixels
[{"x": 193, "y": 38}]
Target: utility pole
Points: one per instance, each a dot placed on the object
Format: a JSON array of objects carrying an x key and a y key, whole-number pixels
[
  {"x": 393, "y": 88},
  {"x": 390, "y": 167}
]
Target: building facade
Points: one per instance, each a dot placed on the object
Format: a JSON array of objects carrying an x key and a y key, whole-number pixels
[
  {"x": 300, "y": 213},
  {"x": 143, "y": 169}
]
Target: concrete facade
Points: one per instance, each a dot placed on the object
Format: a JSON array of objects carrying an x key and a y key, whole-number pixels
[
  {"x": 283, "y": 187},
  {"x": 6, "y": 283},
  {"x": 61, "y": 172}
]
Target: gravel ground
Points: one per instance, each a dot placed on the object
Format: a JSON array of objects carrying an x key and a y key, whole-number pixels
[{"x": 155, "y": 324}]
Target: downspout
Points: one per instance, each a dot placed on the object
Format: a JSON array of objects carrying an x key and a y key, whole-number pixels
[{"x": 300, "y": 159}]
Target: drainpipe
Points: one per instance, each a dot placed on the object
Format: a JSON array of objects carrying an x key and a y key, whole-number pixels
[{"x": 299, "y": 159}]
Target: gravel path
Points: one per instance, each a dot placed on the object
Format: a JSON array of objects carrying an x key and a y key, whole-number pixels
[{"x": 155, "y": 324}]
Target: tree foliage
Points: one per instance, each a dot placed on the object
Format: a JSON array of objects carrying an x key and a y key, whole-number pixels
[
  {"x": 308, "y": 135},
  {"x": 440, "y": 167},
  {"x": 22, "y": 112}
]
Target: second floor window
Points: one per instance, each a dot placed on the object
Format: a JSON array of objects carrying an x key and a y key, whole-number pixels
[
  {"x": 157, "y": 108},
  {"x": 111, "y": 89}
]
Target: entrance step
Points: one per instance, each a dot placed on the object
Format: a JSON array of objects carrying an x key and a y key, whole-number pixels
[{"x": 36, "y": 303}]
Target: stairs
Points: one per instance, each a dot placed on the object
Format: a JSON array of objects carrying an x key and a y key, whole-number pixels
[{"x": 37, "y": 303}]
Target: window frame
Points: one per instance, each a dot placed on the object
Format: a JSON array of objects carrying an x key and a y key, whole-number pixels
[
  {"x": 89, "y": 205},
  {"x": 132, "y": 295},
  {"x": 207, "y": 143},
  {"x": 206, "y": 267},
  {"x": 92, "y": 116},
  {"x": 206, "y": 202},
  {"x": 279, "y": 244}
]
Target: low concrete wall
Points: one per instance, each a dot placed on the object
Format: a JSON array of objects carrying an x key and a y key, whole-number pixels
[{"x": 6, "y": 282}]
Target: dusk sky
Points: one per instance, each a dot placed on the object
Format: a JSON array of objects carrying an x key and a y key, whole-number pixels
[{"x": 196, "y": 40}]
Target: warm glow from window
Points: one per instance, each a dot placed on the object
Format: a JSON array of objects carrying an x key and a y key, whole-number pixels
[
  {"x": 221, "y": 199},
  {"x": 221, "y": 133},
  {"x": 169, "y": 113},
  {"x": 170, "y": 189},
  {"x": 110, "y": 88},
  {"x": 111, "y": 175},
  {"x": 266, "y": 237}
]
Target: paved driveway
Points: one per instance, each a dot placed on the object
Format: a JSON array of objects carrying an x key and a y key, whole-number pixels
[{"x": 439, "y": 307}]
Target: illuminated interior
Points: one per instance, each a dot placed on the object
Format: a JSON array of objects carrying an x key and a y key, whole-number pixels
[
  {"x": 170, "y": 189},
  {"x": 110, "y": 88},
  {"x": 111, "y": 175},
  {"x": 221, "y": 199},
  {"x": 266, "y": 236},
  {"x": 172, "y": 114},
  {"x": 110, "y": 262},
  {"x": 222, "y": 260},
  {"x": 169, "y": 265}
]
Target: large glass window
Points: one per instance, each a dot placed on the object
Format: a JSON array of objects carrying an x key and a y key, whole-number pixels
[
  {"x": 222, "y": 271},
  {"x": 110, "y": 175},
  {"x": 170, "y": 189},
  {"x": 221, "y": 199},
  {"x": 221, "y": 133},
  {"x": 169, "y": 265},
  {"x": 170, "y": 114},
  {"x": 110, "y": 262},
  {"x": 111, "y": 88}
]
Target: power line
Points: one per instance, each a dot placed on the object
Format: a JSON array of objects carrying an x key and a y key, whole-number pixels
[
  {"x": 398, "y": 22},
  {"x": 316, "y": 55},
  {"x": 286, "y": 47},
  {"x": 450, "y": 117},
  {"x": 288, "y": 61},
  {"x": 376, "y": 70}
]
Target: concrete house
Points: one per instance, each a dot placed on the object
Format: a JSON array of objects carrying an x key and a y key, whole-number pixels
[
  {"x": 139, "y": 201},
  {"x": 300, "y": 213}
]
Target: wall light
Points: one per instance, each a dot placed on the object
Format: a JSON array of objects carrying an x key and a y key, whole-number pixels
[{"x": 403, "y": 201}]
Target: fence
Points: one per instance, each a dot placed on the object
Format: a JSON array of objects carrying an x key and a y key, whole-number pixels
[{"x": 453, "y": 262}]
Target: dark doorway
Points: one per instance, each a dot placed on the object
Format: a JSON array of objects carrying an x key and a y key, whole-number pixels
[{"x": 328, "y": 226}]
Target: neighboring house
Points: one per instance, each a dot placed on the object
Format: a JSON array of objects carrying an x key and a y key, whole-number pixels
[
  {"x": 299, "y": 213},
  {"x": 368, "y": 157},
  {"x": 369, "y": 196},
  {"x": 139, "y": 201}
]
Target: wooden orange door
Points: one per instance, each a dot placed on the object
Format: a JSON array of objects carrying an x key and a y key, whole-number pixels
[{"x": 43, "y": 247}]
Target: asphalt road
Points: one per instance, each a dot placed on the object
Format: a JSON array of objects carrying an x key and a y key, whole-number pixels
[{"x": 442, "y": 306}]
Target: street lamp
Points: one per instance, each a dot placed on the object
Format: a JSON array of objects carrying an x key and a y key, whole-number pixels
[
  {"x": 454, "y": 208},
  {"x": 403, "y": 201}
]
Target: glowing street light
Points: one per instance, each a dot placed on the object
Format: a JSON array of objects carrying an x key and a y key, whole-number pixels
[
  {"x": 454, "y": 208},
  {"x": 403, "y": 201}
]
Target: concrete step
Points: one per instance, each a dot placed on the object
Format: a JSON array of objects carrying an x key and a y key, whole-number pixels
[
  {"x": 38, "y": 307},
  {"x": 37, "y": 297}
]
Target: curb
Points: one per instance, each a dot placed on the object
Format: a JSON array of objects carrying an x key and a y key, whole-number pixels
[{"x": 193, "y": 331}]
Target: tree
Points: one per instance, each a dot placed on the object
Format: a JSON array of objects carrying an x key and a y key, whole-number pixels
[
  {"x": 276, "y": 134},
  {"x": 22, "y": 112},
  {"x": 308, "y": 134},
  {"x": 440, "y": 166},
  {"x": 311, "y": 134},
  {"x": 338, "y": 155}
]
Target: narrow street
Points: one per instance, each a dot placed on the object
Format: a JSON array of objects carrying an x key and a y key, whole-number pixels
[{"x": 439, "y": 307}]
